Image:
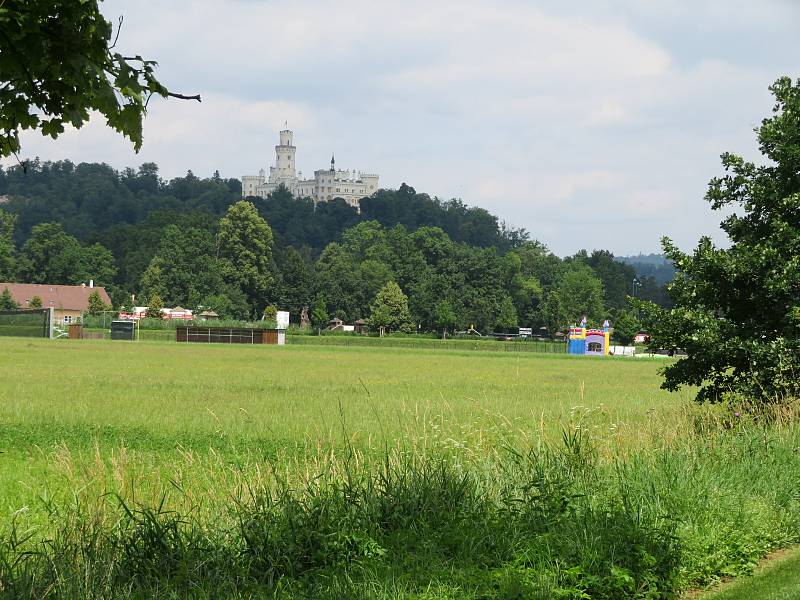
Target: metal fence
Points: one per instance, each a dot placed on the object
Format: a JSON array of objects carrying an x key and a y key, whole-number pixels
[
  {"x": 35, "y": 322},
  {"x": 546, "y": 347}
]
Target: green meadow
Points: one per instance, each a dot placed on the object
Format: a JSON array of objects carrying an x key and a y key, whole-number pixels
[{"x": 156, "y": 469}]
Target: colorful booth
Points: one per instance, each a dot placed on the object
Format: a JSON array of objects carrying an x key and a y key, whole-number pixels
[{"x": 593, "y": 342}]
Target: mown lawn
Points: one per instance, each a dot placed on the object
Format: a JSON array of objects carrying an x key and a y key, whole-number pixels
[{"x": 777, "y": 579}]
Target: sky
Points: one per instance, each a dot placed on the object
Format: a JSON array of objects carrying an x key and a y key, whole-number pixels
[{"x": 592, "y": 124}]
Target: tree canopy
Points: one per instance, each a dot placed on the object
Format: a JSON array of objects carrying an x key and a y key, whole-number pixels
[
  {"x": 58, "y": 63},
  {"x": 195, "y": 243},
  {"x": 737, "y": 309}
]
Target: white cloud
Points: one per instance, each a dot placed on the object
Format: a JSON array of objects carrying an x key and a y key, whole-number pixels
[{"x": 552, "y": 116}]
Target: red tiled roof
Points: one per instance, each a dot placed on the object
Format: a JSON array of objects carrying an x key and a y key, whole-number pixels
[{"x": 70, "y": 297}]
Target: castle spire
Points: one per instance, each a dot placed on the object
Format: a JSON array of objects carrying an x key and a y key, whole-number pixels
[{"x": 333, "y": 163}]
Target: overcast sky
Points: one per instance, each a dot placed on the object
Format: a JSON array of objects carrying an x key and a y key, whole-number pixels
[{"x": 596, "y": 124}]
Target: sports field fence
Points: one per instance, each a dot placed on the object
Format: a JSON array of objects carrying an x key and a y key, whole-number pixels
[{"x": 29, "y": 322}]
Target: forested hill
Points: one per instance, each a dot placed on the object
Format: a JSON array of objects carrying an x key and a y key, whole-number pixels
[
  {"x": 657, "y": 266},
  {"x": 89, "y": 199},
  {"x": 184, "y": 240}
]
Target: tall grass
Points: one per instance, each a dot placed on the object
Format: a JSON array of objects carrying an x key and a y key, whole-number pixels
[{"x": 529, "y": 520}]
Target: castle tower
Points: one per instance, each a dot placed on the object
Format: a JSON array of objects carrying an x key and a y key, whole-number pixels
[{"x": 285, "y": 155}]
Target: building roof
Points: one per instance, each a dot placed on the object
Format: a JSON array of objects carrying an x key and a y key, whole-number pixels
[{"x": 70, "y": 297}]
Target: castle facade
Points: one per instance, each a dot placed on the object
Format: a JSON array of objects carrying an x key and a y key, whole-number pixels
[{"x": 327, "y": 184}]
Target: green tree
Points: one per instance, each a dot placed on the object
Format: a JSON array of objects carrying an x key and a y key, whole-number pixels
[
  {"x": 615, "y": 276},
  {"x": 36, "y": 302},
  {"x": 96, "y": 304},
  {"x": 230, "y": 304},
  {"x": 48, "y": 255},
  {"x": 244, "y": 248},
  {"x": 390, "y": 310},
  {"x": 183, "y": 269},
  {"x": 737, "y": 309},
  {"x": 7, "y": 262},
  {"x": 553, "y": 314},
  {"x": 58, "y": 62},
  {"x": 154, "y": 307},
  {"x": 626, "y": 326},
  {"x": 506, "y": 315},
  {"x": 445, "y": 317},
  {"x": 53, "y": 256},
  {"x": 7, "y": 302},
  {"x": 271, "y": 313},
  {"x": 336, "y": 279},
  {"x": 319, "y": 315},
  {"x": 152, "y": 282},
  {"x": 580, "y": 293},
  {"x": 296, "y": 281}
]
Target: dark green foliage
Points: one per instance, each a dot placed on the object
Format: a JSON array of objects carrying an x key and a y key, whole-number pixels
[
  {"x": 52, "y": 256},
  {"x": 7, "y": 302},
  {"x": 7, "y": 262},
  {"x": 184, "y": 270},
  {"x": 166, "y": 238},
  {"x": 295, "y": 281},
  {"x": 319, "y": 315},
  {"x": 506, "y": 315},
  {"x": 58, "y": 63},
  {"x": 244, "y": 252},
  {"x": 737, "y": 313},
  {"x": 154, "y": 306},
  {"x": 96, "y": 304},
  {"x": 390, "y": 310},
  {"x": 626, "y": 326},
  {"x": 657, "y": 266}
]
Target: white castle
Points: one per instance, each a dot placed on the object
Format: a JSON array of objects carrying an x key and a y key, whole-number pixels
[{"x": 326, "y": 185}]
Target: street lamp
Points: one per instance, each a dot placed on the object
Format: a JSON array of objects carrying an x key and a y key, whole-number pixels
[{"x": 634, "y": 284}]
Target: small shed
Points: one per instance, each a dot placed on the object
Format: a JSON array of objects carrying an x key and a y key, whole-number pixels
[
  {"x": 335, "y": 324},
  {"x": 209, "y": 315},
  {"x": 360, "y": 326}
]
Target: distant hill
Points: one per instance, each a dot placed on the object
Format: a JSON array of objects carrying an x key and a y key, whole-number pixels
[{"x": 656, "y": 266}]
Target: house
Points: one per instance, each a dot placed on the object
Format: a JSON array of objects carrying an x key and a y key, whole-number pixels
[
  {"x": 68, "y": 301},
  {"x": 641, "y": 337}
]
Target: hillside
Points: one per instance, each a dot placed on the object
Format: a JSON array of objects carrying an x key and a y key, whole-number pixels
[{"x": 134, "y": 232}]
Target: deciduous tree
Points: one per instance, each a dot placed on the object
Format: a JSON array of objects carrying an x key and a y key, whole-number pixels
[
  {"x": 244, "y": 248},
  {"x": 154, "y": 307},
  {"x": 737, "y": 309},
  {"x": 390, "y": 310},
  {"x": 58, "y": 62},
  {"x": 319, "y": 315},
  {"x": 7, "y": 262}
]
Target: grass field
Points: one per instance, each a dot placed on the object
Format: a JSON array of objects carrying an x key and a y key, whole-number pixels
[
  {"x": 777, "y": 579},
  {"x": 162, "y": 469}
]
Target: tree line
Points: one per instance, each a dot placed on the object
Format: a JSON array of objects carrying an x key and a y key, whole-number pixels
[{"x": 193, "y": 242}]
